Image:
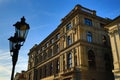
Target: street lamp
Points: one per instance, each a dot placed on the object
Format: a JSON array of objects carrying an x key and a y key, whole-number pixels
[{"x": 16, "y": 41}]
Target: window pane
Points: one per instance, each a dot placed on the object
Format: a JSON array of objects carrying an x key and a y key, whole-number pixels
[
  {"x": 58, "y": 36},
  {"x": 89, "y": 36},
  {"x": 91, "y": 59},
  {"x": 69, "y": 60},
  {"x": 58, "y": 49},
  {"x": 69, "y": 41},
  {"x": 68, "y": 27},
  {"x": 88, "y": 21}
]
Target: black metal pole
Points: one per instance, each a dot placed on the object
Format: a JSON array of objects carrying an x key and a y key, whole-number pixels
[{"x": 14, "y": 61}]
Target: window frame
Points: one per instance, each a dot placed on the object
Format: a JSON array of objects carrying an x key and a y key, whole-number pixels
[
  {"x": 89, "y": 37},
  {"x": 69, "y": 40},
  {"x": 69, "y": 60},
  {"x": 91, "y": 59},
  {"x": 88, "y": 21},
  {"x": 68, "y": 26}
]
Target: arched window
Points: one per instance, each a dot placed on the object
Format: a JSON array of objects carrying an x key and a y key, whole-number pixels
[
  {"x": 89, "y": 36},
  {"x": 91, "y": 59}
]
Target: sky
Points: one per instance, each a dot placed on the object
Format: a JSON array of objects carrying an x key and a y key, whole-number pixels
[{"x": 43, "y": 16}]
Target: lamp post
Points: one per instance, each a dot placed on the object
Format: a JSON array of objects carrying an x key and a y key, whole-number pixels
[{"x": 16, "y": 41}]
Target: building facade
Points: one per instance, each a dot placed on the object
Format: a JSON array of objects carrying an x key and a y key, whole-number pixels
[
  {"x": 114, "y": 33},
  {"x": 21, "y": 76},
  {"x": 78, "y": 49}
]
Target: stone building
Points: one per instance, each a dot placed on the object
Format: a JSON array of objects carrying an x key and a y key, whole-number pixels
[
  {"x": 78, "y": 49},
  {"x": 21, "y": 76},
  {"x": 114, "y": 33}
]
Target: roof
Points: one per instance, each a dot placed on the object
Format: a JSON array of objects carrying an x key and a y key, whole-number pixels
[{"x": 114, "y": 21}]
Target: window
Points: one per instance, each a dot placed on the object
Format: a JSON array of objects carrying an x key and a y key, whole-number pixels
[
  {"x": 36, "y": 60},
  {"x": 30, "y": 76},
  {"x": 52, "y": 41},
  {"x": 38, "y": 51},
  {"x": 88, "y": 21},
  {"x": 36, "y": 74},
  {"x": 104, "y": 40},
  {"x": 44, "y": 56},
  {"x": 73, "y": 22},
  {"x": 57, "y": 48},
  {"x": 63, "y": 62},
  {"x": 102, "y": 25},
  {"x": 58, "y": 36},
  {"x": 89, "y": 36},
  {"x": 69, "y": 60},
  {"x": 75, "y": 57},
  {"x": 50, "y": 52},
  {"x": 40, "y": 58},
  {"x": 47, "y": 44},
  {"x": 51, "y": 68},
  {"x": 69, "y": 40},
  {"x": 45, "y": 70},
  {"x": 43, "y": 48},
  {"x": 68, "y": 27},
  {"x": 57, "y": 66},
  {"x": 40, "y": 73},
  {"x": 91, "y": 59}
]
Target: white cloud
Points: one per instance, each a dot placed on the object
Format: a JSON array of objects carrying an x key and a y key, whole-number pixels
[
  {"x": 6, "y": 65},
  {"x": 5, "y": 69}
]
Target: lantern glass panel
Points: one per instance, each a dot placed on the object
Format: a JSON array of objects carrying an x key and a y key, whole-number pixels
[
  {"x": 22, "y": 32},
  {"x": 12, "y": 44}
]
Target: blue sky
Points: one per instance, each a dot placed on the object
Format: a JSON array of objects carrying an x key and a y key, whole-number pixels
[{"x": 43, "y": 16}]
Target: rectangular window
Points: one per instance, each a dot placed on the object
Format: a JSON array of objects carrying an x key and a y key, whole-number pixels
[
  {"x": 57, "y": 48},
  {"x": 68, "y": 27},
  {"x": 58, "y": 36},
  {"x": 38, "y": 52},
  {"x": 89, "y": 36},
  {"x": 73, "y": 22},
  {"x": 69, "y": 40},
  {"x": 45, "y": 71},
  {"x": 88, "y": 21},
  {"x": 30, "y": 76},
  {"x": 43, "y": 48},
  {"x": 52, "y": 41},
  {"x": 47, "y": 44},
  {"x": 102, "y": 25},
  {"x": 51, "y": 69},
  {"x": 69, "y": 60},
  {"x": 50, "y": 52},
  {"x": 57, "y": 66},
  {"x": 40, "y": 72}
]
